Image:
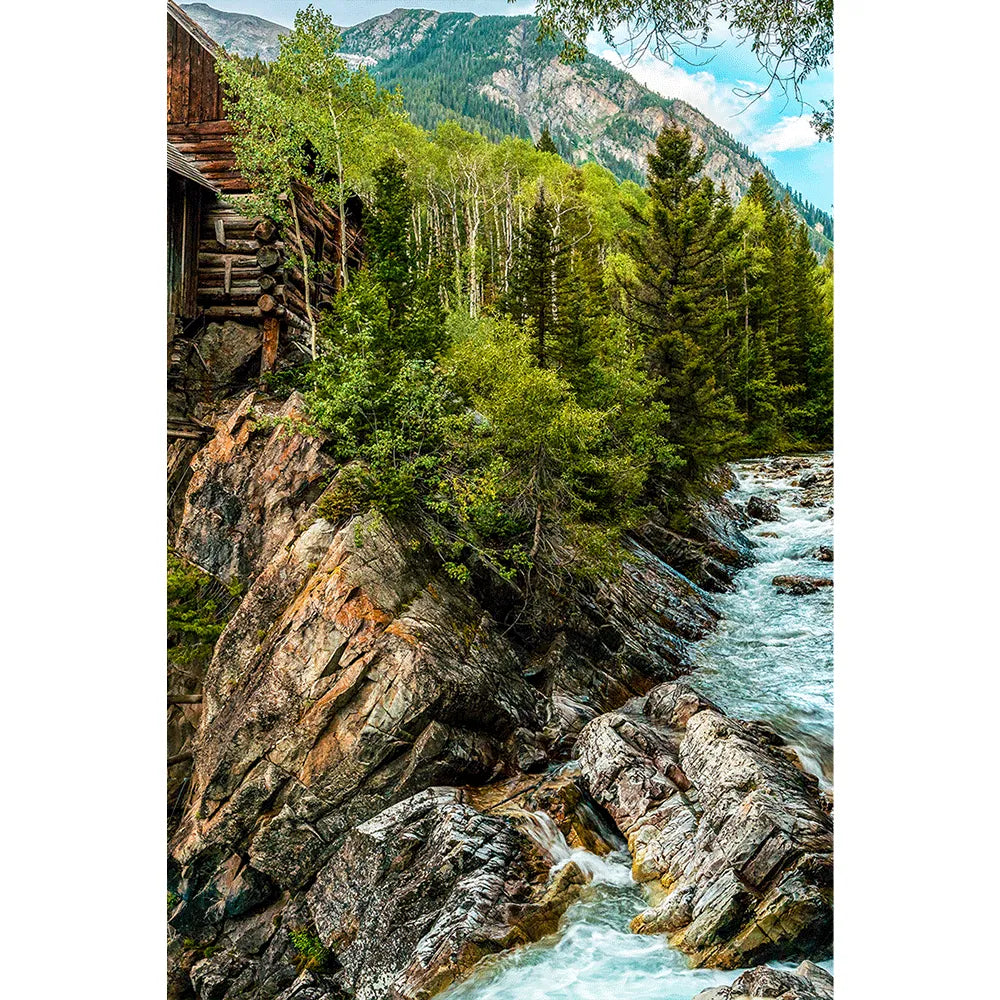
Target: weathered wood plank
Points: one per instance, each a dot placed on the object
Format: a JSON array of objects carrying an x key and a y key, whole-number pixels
[
  {"x": 215, "y": 275},
  {"x": 220, "y": 233},
  {"x": 193, "y": 130},
  {"x": 233, "y": 312},
  {"x": 171, "y": 38},
  {"x": 248, "y": 296},
  {"x": 185, "y": 81},
  {"x": 269, "y": 349}
]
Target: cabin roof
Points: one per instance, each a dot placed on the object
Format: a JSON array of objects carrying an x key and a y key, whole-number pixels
[
  {"x": 191, "y": 26},
  {"x": 185, "y": 167}
]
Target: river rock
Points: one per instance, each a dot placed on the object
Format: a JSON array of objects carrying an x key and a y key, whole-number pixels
[
  {"x": 824, "y": 554},
  {"x": 808, "y": 982},
  {"x": 763, "y": 509},
  {"x": 799, "y": 585},
  {"x": 418, "y": 894},
  {"x": 710, "y": 564},
  {"x": 560, "y": 800},
  {"x": 725, "y": 828}
]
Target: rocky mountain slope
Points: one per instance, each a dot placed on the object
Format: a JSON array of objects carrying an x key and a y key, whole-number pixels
[
  {"x": 244, "y": 34},
  {"x": 491, "y": 75}
]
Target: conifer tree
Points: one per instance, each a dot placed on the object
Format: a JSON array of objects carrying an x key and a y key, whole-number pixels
[
  {"x": 545, "y": 143},
  {"x": 679, "y": 297},
  {"x": 540, "y": 276}
]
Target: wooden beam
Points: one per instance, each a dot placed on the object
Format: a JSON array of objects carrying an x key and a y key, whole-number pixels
[
  {"x": 227, "y": 279},
  {"x": 269, "y": 350},
  {"x": 265, "y": 230},
  {"x": 267, "y": 258},
  {"x": 233, "y": 312}
]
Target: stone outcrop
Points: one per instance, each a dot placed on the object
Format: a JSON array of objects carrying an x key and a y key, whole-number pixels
[
  {"x": 762, "y": 509},
  {"x": 418, "y": 894},
  {"x": 355, "y": 675},
  {"x": 731, "y": 837},
  {"x": 250, "y": 488},
  {"x": 807, "y": 982},
  {"x": 800, "y": 585}
]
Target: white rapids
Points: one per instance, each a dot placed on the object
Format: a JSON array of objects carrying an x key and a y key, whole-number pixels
[{"x": 771, "y": 658}]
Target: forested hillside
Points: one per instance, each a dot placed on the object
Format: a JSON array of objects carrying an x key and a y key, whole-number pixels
[
  {"x": 531, "y": 345},
  {"x": 491, "y": 75}
]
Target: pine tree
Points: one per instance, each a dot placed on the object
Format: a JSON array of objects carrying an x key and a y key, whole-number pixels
[
  {"x": 388, "y": 243},
  {"x": 545, "y": 143},
  {"x": 679, "y": 295},
  {"x": 540, "y": 277},
  {"x": 408, "y": 300}
]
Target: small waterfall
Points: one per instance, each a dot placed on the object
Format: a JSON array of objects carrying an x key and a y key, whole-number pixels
[
  {"x": 771, "y": 658},
  {"x": 615, "y": 869}
]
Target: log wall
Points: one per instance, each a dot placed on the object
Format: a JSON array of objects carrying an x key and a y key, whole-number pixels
[
  {"x": 249, "y": 270},
  {"x": 241, "y": 270}
]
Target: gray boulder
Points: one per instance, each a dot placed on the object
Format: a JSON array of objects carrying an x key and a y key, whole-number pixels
[
  {"x": 722, "y": 821},
  {"x": 761, "y": 509},
  {"x": 808, "y": 982}
]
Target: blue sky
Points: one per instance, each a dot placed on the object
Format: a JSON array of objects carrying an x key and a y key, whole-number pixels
[{"x": 774, "y": 127}]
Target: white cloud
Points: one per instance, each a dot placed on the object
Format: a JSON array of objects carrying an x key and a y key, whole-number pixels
[
  {"x": 671, "y": 78},
  {"x": 792, "y": 132}
]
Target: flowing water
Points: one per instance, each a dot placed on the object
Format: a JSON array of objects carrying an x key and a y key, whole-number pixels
[{"x": 770, "y": 658}]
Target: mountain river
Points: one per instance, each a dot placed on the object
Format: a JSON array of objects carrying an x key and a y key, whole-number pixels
[{"x": 770, "y": 658}]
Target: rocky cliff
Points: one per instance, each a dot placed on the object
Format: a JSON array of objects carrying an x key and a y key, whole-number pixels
[{"x": 371, "y": 736}]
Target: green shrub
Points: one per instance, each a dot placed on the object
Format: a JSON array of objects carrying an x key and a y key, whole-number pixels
[
  {"x": 310, "y": 953},
  {"x": 198, "y": 607}
]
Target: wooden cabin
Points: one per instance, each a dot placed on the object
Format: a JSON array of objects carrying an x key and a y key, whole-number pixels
[{"x": 225, "y": 262}]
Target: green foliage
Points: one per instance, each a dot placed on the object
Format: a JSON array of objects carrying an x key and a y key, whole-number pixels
[
  {"x": 784, "y": 320},
  {"x": 791, "y": 41},
  {"x": 309, "y": 120},
  {"x": 678, "y": 300},
  {"x": 310, "y": 952},
  {"x": 198, "y": 607},
  {"x": 532, "y": 350}
]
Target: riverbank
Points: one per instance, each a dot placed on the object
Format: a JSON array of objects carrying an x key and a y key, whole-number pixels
[
  {"x": 769, "y": 658},
  {"x": 372, "y": 735}
]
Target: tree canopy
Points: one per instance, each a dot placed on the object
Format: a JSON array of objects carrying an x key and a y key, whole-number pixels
[{"x": 533, "y": 354}]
